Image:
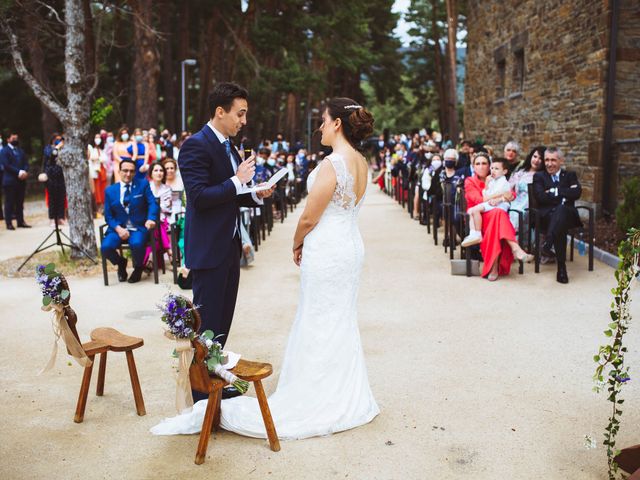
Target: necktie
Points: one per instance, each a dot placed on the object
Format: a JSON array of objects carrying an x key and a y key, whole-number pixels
[
  {"x": 126, "y": 199},
  {"x": 227, "y": 146},
  {"x": 556, "y": 178}
]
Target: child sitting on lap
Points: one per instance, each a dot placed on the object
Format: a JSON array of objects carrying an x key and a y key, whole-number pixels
[{"x": 497, "y": 186}]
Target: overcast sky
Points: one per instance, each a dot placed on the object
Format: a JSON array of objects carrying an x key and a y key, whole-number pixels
[{"x": 401, "y": 6}]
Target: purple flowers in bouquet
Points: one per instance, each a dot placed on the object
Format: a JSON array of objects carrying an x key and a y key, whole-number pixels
[
  {"x": 178, "y": 316},
  {"x": 50, "y": 285}
]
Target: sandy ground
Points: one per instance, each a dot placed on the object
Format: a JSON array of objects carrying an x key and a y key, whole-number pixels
[{"x": 474, "y": 379}]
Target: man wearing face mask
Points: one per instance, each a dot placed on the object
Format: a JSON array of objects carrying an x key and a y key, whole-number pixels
[{"x": 14, "y": 181}]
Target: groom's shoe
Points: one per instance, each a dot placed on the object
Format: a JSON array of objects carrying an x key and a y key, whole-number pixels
[{"x": 230, "y": 392}]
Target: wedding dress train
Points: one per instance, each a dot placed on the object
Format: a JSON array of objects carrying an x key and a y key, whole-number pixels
[{"x": 323, "y": 386}]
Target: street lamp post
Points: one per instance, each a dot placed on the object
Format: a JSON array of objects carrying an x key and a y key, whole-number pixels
[
  {"x": 311, "y": 111},
  {"x": 191, "y": 62}
]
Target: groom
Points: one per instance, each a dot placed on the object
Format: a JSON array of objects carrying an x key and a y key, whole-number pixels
[{"x": 215, "y": 178}]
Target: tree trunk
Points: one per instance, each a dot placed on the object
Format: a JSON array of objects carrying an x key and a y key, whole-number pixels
[
  {"x": 291, "y": 121},
  {"x": 452, "y": 30},
  {"x": 146, "y": 69},
  {"x": 76, "y": 127},
  {"x": 168, "y": 66},
  {"x": 440, "y": 72}
]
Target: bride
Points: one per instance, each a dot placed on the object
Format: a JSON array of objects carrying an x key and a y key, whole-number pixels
[{"x": 323, "y": 387}]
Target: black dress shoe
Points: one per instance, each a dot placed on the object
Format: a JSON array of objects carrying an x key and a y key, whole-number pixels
[
  {"x": 10, "y": 227},
  {"x": 230, "y": 392},
  {"x": 562, "y": 276},
  {"x": 136, "y": 275},
  {"x": 24, "y": 225},
  {"x": 546, "y": 251},
  {"x": 122, "y": 270}
]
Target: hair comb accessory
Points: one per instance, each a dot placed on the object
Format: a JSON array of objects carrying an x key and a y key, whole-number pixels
[{"x": 352, "y": 107}]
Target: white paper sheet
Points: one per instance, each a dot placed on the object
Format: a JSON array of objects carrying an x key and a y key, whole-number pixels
[{"x": 272, "y": 181}]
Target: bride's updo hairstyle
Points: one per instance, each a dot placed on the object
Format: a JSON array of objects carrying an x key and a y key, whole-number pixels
[{"x": 357, "y": 121}]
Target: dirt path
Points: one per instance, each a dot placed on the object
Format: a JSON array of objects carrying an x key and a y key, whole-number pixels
[{"x": 474, "y": 380}]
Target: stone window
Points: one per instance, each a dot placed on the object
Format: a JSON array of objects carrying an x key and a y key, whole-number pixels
[
  {"x": 501, "y": 69},
  {"x": 518, "y": 71}
]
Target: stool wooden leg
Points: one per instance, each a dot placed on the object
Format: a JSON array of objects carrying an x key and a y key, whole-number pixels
[
  {"x": 266, "y": 416},
  {"x": 84, "y": 392},
  {"x": 207, "y": 425},
  {"x": 217, "y": 405},
  {"x": 101, "y": 371},
  {"x": 135, "y": 384}
]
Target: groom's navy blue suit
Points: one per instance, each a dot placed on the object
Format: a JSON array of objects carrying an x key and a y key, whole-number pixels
[{"x": 212, "y": 241}]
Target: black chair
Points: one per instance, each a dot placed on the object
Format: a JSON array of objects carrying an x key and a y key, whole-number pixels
[
  {"x": 535, "y": 223},
  {"x": 152, "y": 242}
]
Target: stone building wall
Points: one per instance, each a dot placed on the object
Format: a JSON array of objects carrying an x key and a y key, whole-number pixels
[
  {"x": 562, "y": 49},
  {"x": 626, "y": 118}
]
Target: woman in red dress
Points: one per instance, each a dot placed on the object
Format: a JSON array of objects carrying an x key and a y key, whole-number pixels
[{"x": 499, "y": 243}]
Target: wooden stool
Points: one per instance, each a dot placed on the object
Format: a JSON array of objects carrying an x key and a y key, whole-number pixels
[
  {"x": 201, "y": 381},
  {"x": 103, "y": 340}
]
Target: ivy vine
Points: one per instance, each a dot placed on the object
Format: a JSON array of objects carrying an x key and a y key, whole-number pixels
[{"x": 610, "y": 357}]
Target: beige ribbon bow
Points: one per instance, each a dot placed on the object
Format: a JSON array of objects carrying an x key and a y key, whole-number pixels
[
  {"x": 184, "y": 397},
  {"x": 61, "y": 329}
]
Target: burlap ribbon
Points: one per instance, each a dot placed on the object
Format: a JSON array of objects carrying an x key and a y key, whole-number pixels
[
  {"x": 61, "y": 329},
  {"x": 184, "y": 397}
]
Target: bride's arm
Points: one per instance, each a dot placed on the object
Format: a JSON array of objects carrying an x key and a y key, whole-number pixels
[{"x": 317, "y": 201}]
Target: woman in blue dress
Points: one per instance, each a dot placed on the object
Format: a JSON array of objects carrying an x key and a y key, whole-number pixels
[{"x": 141, "y": 157}]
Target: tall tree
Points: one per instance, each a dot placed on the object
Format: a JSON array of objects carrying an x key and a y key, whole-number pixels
[
  {"x": 452, "y": 34},
  {"x": 74, "y": 115}
]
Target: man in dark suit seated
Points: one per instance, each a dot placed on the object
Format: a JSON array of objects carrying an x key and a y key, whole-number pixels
[
  {"x": 14, "y": 182},
  {"x": 130, "y": 209},
  {"x": 556, "y": 191}
]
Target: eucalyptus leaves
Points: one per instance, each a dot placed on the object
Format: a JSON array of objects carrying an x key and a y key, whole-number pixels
[
  {"x": 215, "y": 360},
  {"x": 611, "y": 371},
  {"x": 50, "y": 284}
]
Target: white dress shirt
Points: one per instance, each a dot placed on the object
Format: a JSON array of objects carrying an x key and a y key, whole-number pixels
[{"x": 240, "y": 188}]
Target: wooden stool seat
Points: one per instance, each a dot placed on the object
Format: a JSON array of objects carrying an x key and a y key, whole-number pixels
[
  {"x": 117, "y": 342},
  {"x": 202, "y": 381},
  {"x": 251, "y": 371},
  {"x": 103, "y": 340}
]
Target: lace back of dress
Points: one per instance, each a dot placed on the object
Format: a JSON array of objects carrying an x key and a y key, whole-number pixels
[{"x": 344, "y": 197}]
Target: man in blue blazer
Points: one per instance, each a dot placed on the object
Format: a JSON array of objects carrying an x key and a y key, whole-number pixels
[
  {"x": 14, "y": 182},
  {"x": 130, "y": 209},
  {"x": 215, "y": 179}
]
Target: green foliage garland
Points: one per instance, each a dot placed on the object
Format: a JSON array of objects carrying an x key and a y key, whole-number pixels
[{"x": 610, "y": 357}]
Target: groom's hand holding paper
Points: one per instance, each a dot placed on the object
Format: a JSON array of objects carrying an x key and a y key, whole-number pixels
[{"x": 271, "y": 184}]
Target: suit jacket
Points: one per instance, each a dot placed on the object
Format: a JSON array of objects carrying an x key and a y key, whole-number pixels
[
  {"x": 569, "y": 189},
  {"x": 213, "y": 206},
  {"x": 142, "y": 207},
  {"x": 13, "y": 160}
]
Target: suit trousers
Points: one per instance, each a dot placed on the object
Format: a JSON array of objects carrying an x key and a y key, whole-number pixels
[
  {"x": 137, "y": 243},
  {"x": 214, "y": 292},
  {"x": 559, "y": 221},
  {"x": 14, "y": 202}
]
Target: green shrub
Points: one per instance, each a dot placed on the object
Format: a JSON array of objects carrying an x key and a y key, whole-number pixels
[{"x": 628, "y": 213}]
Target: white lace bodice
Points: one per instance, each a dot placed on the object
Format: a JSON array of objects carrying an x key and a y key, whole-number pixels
[{"x": 344, "y": 197}]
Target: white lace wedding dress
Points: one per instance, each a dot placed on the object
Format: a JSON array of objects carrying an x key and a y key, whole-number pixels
[{"x": 323, "y": 386}]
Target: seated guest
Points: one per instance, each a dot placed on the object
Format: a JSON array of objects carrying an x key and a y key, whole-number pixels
[
  {"x": 130, "y": 209},
  {"x": 162, "y": 192},
  {"x": 520, "y": 182},
  {"x": 511, "y": 150},
  {"x": 556, "y": 191},
  {"x": 498, "y": 244},
  {"x": 173, "y": 180}
]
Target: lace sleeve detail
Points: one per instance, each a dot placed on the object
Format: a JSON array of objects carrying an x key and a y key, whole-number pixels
[{"x": 343, "y": 197}]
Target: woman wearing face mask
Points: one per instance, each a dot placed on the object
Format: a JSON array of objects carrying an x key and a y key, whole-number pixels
[
  {"x": 498, "y": 244},
  {"x": 97, "y": 171},
  {"x": 55, "y": 192},
  {"x": 140, "y": 154},
  {"x": 121, "y": 150}
]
